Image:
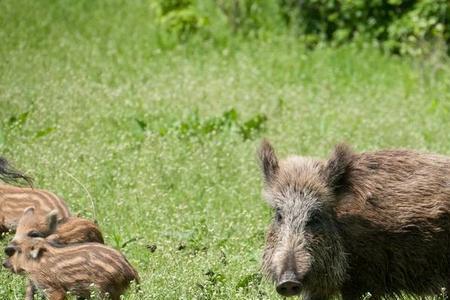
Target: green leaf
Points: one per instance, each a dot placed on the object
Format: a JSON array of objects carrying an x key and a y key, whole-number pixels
[
  {"x": 142, "y": 125},
  {"x": 44, "y": 132},
  {"x": 247, "y": 280},
  {"x": 18, "y": 120}
]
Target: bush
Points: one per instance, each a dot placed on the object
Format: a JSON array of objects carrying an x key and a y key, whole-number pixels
[
  {"x": 251, "y": 16},
  {"x": 180, "y": 17},
  {"x": 399, "y": 24},
  {"x": 427, "y": 22}
]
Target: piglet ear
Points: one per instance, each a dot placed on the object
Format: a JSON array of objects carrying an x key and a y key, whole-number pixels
[
  {"x": 27, "y": 214},
  {"x": 29, "y": 211},
  {"x": 52, "y": 219},
  {"x": 268, "y": 161},
  {"x": 337, "y": 166}
]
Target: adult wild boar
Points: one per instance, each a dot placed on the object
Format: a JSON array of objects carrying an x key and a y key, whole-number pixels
[{"x": 376, "y": 222}]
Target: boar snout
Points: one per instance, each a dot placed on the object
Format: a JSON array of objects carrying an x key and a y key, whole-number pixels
[
  {"x": 288, "y": 285},
  {"x": 7, "y": 264}
]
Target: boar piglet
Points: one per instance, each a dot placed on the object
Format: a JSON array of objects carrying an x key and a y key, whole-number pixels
[
  {"x": 78, "y": 268},
  {"x": 357, "y": 223},
  {"x": 67, "y": 231},
  {"x": 13, "y": 201}
]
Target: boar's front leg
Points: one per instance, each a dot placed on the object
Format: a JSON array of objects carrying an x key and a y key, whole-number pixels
[
  {"x": 309, "y": 296},
  {"x": 3, "y": 228},
  {"x": 348, "y": 295},
  {"x": 30, "y": 290}
]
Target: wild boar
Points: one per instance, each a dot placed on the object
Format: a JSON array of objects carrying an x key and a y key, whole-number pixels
[
  {"x": 70, "y": 230},
  {"x": 13, "y": 201},
  {"x": 67, "y": 231},
  {"x": 77, "y": 268},
  {"x": 357, "y": 223}
]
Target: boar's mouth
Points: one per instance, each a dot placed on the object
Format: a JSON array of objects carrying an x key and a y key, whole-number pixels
[
  {"x": 18, "y": 271},
  {"x": 8, "y": 265}
]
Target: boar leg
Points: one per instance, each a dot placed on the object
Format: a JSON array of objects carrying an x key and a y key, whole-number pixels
[
  {"x": 112, "y": 294},
  {"x": 309, "y": 296},
  {"x": 347, "y": 295},
  {"x": 3, "y": 228},
  {"x": 30, "y": 290}
]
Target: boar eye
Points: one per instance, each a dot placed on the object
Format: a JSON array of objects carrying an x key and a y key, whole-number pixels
[
  {"x": 314, "y": 220},
  {"x": 278, "y": 215},
  {"x": 35, "y": 234}
]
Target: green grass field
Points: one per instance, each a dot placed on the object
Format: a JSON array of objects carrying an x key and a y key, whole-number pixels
[{"x": 159, "y": 144}]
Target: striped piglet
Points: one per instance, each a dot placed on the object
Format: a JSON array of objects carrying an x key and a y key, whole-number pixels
[
  {"x": 67, "y": 231},
  {"x": 13, "y": 201},
  {"x": 78, "y": 268}
]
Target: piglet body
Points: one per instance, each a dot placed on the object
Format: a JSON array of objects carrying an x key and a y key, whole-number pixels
[{"x": 78, "y": 269}]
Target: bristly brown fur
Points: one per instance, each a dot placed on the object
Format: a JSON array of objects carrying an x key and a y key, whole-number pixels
[
  {"x": 76, "y": 230},
  {"x": 376, "y": 222},
  {"x": 13, "y": 201},
  {"x": 337, "y": 166}
]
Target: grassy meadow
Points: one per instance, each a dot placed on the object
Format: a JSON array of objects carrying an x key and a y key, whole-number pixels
[{"x": 158, "y": 143}]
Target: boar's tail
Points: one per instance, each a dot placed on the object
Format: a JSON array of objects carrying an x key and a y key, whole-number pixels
[{"x": 10, "y": 175}]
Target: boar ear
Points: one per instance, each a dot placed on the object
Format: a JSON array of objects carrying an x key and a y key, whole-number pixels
[
  {"x": 268, "y": 161},
  {"x": 337, "y": 166},
  {"x": 52, "y": 219},
  {"x": 29, "y": 211}
]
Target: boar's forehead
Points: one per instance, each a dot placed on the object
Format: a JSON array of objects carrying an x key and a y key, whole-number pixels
[
  {"x": 298, "y": 209},
  {"x": 31, "y": 223},
  {"x": 299, "y": 180}
]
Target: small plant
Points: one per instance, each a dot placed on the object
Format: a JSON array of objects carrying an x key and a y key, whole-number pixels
[
  {"x": 251, "y": 127},
  {"x": 211, "y": 285},
  {"x": 180, "y": 17},
  {"x": 18, "y": 120},
  {"x": 249, "y": 281},
  {"x": 194, "y": 126}
]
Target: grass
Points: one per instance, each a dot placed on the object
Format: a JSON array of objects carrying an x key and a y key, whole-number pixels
[{"x": 164, "y": 140}]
